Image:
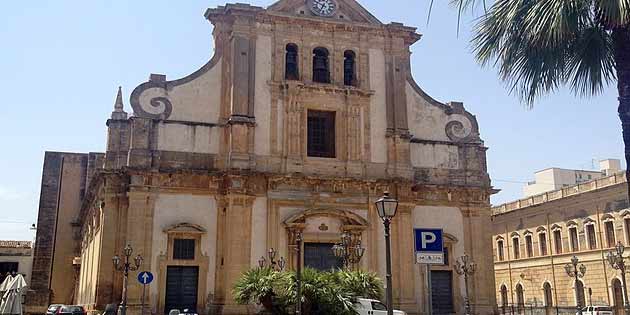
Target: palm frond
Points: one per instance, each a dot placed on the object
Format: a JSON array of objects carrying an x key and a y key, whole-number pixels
[
  {"x": 613, "y": 13},
  {"x": 539, "y": 45}
]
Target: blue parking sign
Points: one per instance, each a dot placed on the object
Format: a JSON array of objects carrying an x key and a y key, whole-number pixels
[{"x": 429, "y": 246}]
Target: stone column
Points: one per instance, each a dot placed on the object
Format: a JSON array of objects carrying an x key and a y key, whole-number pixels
[
  {"x": 112, "y": 206},
  {"x": 139, "y": 228}
]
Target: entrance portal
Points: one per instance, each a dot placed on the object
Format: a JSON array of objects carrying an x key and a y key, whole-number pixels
[
  {"x": 181, "y": 288},
  {"x": 442, "y": 292},
  {"x": 320, "y": 256}
]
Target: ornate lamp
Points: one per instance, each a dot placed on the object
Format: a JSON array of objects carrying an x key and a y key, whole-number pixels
[{"x": 386, "y": 207}]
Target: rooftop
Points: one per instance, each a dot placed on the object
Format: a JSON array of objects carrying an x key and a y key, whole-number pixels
[
  {"x": 16, "y": 244},
  {"x": 565, "y": 192}
]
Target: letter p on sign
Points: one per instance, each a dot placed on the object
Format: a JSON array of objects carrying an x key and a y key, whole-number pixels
[{"x": 427, "y": 237}]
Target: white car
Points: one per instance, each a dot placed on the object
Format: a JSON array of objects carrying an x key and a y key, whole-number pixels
[
  {"x": 597, "y": 310},
  {"x": 373, "y": 307}
]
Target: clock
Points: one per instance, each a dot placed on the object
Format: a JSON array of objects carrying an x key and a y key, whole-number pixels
[{"x": 325, "y": 8}]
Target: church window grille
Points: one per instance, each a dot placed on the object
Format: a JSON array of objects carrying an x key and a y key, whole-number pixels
[
  {"x": 291, "y": 63},
  {"x": 321, "y": 134},
  {"x": 349, "y": 68},
  {"x": 184, "y": 249},
  {"x": 321, "y": 65}
]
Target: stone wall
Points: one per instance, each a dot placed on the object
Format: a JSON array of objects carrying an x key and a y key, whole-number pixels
[{"x": 593, "y": 206}]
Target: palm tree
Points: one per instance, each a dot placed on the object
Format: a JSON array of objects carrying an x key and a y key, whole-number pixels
[
  {"x": 323, "y": 292},
  {"x": 541, "y": 45}
]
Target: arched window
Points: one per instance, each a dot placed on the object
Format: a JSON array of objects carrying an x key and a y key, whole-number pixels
[
  {"x": 617, "y": 296},
  {"x": 516, "y": 247},
  {"x": 580, "y": 298},
  {"x": 349, "y": 68},
  {"x": 500, "y": 250},
  {"x": 291, "y": 63},
  {"x": 548, "y": 295},
  {"x": 321, "y": 66},
  {"x": 520, "y": 297},
  {"x": 504, "y": 298}
]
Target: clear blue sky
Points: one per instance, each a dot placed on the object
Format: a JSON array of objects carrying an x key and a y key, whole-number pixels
[{"x": 61, "y": 62}]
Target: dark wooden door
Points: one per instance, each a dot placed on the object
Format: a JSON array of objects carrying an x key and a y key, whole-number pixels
[
  {"x": 320, "y": 256},
  {"x": 181, "y": 288},
  {"x": 442, "y": 292}
]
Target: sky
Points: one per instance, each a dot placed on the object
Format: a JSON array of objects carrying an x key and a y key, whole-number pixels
[{"x": 62, "y": 61}]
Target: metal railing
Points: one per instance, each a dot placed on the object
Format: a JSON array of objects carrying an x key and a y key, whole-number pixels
[{"x": 530, "y": 309}]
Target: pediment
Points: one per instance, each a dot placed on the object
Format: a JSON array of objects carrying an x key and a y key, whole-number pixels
[
  {"x": 348, "y": 11},
  {"x": 187, "y": 228}
]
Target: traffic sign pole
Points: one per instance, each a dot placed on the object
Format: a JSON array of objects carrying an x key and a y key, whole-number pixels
[
  {"x": 145, "y": 278},
  {"x": 429, "y": 250},
  {"x": 144, "y": 290}
]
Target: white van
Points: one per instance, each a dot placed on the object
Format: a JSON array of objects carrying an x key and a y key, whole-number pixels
[
  {"x": 374, "y": 307},
  {"x": 597, "y": 310}
]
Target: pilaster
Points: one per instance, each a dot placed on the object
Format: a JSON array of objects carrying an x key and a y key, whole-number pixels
[{"x": 233, "y": 256}]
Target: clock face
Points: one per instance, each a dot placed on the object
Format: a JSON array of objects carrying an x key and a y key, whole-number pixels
[{"x": 324, "y": 7}]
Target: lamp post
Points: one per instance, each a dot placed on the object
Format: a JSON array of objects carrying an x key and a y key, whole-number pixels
[
  {"x": 125, "y": 267},
  {"x": 274, "y": 265},
  {"x": 616, "y": 260},
  {"x": 298, "y": 273},
  {"x": 576, "y": 271},
  {"x": 348, "y": 250},
  {"x": 464, "y": 266},
  {"x": 387, "y": 207}
]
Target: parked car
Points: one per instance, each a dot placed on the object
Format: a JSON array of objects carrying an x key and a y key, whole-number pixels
[
  {"x": 597, "y": 310},
  {"x": 52, "y": 309},
  {"x": 71, "y": 310},
  {"x": 373, "y": 307}
]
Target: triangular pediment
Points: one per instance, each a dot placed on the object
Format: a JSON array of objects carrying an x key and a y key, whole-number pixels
[{"x": 347, "y": 10}]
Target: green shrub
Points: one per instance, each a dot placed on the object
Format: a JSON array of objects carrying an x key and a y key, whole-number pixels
[{"x": 322, "y": 292}]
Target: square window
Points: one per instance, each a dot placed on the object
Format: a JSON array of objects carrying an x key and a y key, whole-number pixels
[
  {"x": 184, "y": 249},
  {"x": 321, "y": 134}
]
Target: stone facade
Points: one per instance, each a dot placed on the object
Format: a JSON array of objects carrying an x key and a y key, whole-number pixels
[
  {"x": 534, "y": 238},
  {"x": 64, "y": 179},
  {"x": 221, "y": 158}
]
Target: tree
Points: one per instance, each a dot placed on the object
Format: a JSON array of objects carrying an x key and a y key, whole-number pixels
[
  {"x": 541, "y": 45},
  {"x": 323, "y": 292}
]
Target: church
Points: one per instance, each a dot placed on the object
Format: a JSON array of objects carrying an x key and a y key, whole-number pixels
[{"x": 305, "y": 115}]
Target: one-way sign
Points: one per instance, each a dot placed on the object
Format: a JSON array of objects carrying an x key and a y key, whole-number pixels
[
  {"x": 429, "y": 246},
  {"x": 145, "y": 277}
]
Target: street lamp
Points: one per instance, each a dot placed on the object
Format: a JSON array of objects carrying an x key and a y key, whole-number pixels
[
  {"x": 348, "y": 250},
  {"x": 125, "y": 268},
  {"x": 274, "y": 265},
  {"x": 576, "y": 272},
  {"x": 464, "y": 266},
  {"x": 616, "y": 260},
  {"x": 387, "y": 207}
]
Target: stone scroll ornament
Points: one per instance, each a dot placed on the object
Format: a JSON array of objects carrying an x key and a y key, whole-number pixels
[
  {"x": 150, "y": 100},
  {"x": 459, "y": 128}
]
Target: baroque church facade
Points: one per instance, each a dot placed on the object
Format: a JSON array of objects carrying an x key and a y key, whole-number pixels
[{"x": 305, "y": 115}]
